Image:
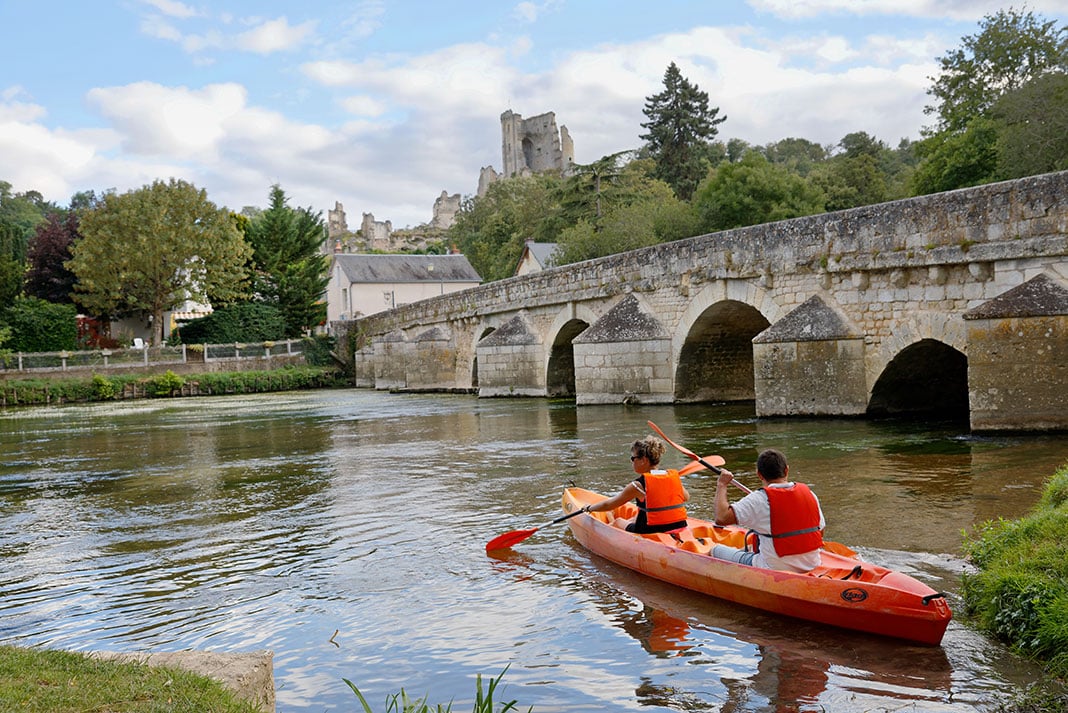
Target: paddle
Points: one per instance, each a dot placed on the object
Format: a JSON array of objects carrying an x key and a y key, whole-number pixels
[
  {"x": 502, "y": 542},
  {"x": 836, "y": 547}
]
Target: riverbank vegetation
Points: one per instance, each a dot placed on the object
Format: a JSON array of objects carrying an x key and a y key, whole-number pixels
[
  {"x": 44, "y": 681},
  {"x": 403, "y": 703},
  {"x": 1019, "y": 592},
  {"x": 37, "y": 392}
]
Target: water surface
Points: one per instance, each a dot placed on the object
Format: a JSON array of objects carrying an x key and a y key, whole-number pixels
[{"x": 274, "y": 521}]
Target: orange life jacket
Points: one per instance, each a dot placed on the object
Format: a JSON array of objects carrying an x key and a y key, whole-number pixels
[
  {"x": 795, "y": 520},
  {"x": 664, "y": 498}
]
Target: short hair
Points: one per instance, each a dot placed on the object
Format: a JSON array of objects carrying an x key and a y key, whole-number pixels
[
  {"x": 771, "y": 464},
  {"x": 649, "y": 447}
]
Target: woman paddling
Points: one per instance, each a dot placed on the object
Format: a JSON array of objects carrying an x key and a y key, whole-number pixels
[{"x": 659, "y": 493}]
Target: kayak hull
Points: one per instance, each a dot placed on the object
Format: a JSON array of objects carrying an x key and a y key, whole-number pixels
[{"x": 845, "y": 591}]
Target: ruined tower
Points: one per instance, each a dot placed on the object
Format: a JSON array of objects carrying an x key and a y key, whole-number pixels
[{"x": 534, "y": 144}]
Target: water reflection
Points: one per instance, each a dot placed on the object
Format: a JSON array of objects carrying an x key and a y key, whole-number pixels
[{"x": 273, "y": 521}]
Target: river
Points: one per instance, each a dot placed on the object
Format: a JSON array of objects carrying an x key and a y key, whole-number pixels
[{"x": 274, "y": 521}]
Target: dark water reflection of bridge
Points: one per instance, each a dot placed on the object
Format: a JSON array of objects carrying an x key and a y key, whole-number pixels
[{"x": 273, "y": 521}]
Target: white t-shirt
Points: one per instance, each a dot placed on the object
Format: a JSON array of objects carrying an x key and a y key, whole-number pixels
[{"x": 753, "y": 512}]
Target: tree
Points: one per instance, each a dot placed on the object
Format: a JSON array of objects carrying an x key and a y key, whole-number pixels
[
  {"x": 491, "y": 229},
  {"x": 680, "y": 129},
  {"x": 1011, "y": 49},
  {"x": 1033, "y": 127},
  {"x": 39, "y": 326},
  {"x": 289, "y": 267},
  {"x": 151, "y": 249},
  {"x": 951, "y": 161},
  {"x": 799, "y": 155},
  {"x": 751, "y": 192},
  {"x": 644, "y": 212},
  {"x": 48, "y": 252},
  {"x": 591, "y": 189}
]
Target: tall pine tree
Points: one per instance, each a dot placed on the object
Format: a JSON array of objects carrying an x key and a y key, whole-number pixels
[
  {"x": 290, "y": 270},
  {"x": 680, "y": 130}
]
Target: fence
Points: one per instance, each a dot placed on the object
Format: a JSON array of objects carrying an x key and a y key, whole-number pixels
[{"x": 145, "y": 356}]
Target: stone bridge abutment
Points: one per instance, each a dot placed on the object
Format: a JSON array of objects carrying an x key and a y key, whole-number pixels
[{"x": 953, "y": 304}]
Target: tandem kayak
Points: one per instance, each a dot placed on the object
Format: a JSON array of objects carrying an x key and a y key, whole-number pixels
[{"x": 844, "y": 591}]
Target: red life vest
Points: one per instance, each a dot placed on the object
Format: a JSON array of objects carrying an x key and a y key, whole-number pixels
[
  {"x": 664, "y": 498},
  {"x": 795, "y": 520}
]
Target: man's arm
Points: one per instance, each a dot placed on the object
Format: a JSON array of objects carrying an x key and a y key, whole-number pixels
[{"x": 724, "y": 512}]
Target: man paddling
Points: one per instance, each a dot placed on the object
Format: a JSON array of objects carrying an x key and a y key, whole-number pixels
[{"x": 786, "y": 517}]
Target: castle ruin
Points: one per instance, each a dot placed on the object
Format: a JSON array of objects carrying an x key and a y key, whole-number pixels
[{"x": 534, "y": 144}]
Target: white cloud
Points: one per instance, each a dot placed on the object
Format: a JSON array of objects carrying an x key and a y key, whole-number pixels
[
  {"x": 466, "y": 78},
  {"x": 961, "y": 10},
  {"x": 274, "y": 36},
  {"x": 161, "y": 121},
  {"x": 172, "y": 8},
  {"x": 363, "y": 105}
]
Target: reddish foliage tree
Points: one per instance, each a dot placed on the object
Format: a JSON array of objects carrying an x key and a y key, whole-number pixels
[{"x": 48, "y": 278}]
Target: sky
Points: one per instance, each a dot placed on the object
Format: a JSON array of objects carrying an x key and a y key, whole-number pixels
[{"x": 383, "y": 104}]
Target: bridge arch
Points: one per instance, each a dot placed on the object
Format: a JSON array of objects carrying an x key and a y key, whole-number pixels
[
  {"x": 569, "y": 322},
  {"x": 927, "y": 378},
  {"x": 479, "y": 336},
  {"x": 713, "y": 350}
]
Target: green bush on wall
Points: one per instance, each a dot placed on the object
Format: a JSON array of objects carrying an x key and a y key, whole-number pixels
[
  {"x": 244, "y": 322},
  {"x": 39, "y": 326}
]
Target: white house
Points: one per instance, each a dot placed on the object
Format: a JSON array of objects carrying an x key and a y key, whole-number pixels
[
  {"x": 363, "y": 284},
  {"x": 535, "y": 257}
]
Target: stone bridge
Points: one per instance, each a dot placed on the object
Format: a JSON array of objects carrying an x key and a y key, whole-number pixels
[{"x": 948, "y": 305}]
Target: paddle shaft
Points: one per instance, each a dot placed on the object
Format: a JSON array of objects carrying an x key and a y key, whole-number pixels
[{"x": 690, "y": 454}]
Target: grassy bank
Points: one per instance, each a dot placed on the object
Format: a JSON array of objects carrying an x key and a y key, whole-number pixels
[
  {"x": 43, "y": 681},
  {"x": 1019, "y": 593},
  {"x": 35, "y": 392}
]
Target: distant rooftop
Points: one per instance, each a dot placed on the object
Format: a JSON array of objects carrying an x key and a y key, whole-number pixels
[{"x": 406, "y": 268}]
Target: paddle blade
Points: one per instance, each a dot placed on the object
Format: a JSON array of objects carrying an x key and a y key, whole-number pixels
[
  {"x": 839, "y": 549},
  {"x": 503, "y": 542},
  {"x": 681, "y": 449},
  {"x": 696, "y": 465}
]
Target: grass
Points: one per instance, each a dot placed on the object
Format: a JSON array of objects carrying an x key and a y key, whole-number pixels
[
  {"x": 43, "y": 681},
  {"x": 402, "y": 703},
  {"x": 1020, "y": 590}
]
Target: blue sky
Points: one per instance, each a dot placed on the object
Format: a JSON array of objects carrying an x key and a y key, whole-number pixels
[{"x": 381, "y": 104}]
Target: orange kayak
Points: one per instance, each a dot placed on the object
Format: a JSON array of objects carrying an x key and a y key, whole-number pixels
[{"x": 844, "y": 591}]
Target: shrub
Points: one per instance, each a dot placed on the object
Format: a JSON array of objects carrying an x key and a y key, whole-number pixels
[
  {"x": 165, "y": 384},
  {"x": 244, "y": 322},
  {"x": 104, "y": 388},
  {"x": 39, "y": 326}
]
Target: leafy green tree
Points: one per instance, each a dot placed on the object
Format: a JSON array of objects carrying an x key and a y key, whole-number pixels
[
  {"x": 751, "y": 192},
  {"x": 49, "y": 250},
  {"x": 1011, "y": 49},
  {"x": 800, "y": 155},
  {"x": 491, "y": 230},
  {"x": 680, "y": 130},
  {"x": 649, "y": 214},
  {"x": 12, "y": 267},
  {"x": 151, "y": 249},
  {"x": 39, "y": 326},
  {"x": 950, "y": 161},
  {"x": 592, "y": 189},
  {"x": 1033, "y": 127},
  {"x": 289, "y": 267}
]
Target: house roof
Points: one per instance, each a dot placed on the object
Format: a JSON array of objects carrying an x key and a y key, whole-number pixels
[
  {"x": 542, "y": 252},
  {"x": 364, "y": 268}
]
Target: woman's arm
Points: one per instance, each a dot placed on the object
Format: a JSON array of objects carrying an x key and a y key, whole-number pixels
[{"x": 631, "y": 492}]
